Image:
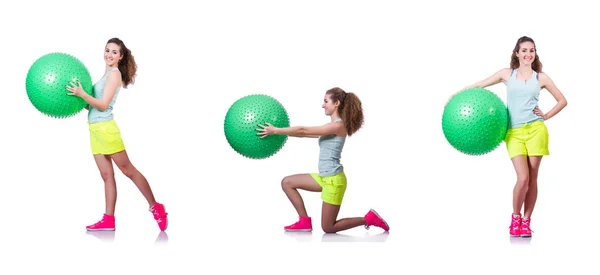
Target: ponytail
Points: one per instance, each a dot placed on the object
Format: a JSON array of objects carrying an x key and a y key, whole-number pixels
[{"x": 350, "y": 109}]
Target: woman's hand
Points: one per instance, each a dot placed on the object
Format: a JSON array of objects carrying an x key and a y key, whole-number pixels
[
  {"x": 539, "y": 112},
  {"x": 265, "y": 130},
  {"x": 76, "y": 90}
]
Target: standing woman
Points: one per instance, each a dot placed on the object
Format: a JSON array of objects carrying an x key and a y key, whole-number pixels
[
  {"x": 345, "y": 110},
  {"x": 527, "y": 136},
  {"x": 105, "y": 136}
]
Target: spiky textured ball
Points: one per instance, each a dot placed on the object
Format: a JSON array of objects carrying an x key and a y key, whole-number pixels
[
  {"x": 241, "y": 122},
  {"x": 475, "y": 121},
  {"x": 47, "y": 80}
]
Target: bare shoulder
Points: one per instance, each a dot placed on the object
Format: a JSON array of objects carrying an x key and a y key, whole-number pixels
[
  {"x": 544, "y": 79},
  {"x": 115, "y": 73},
  {"x": 336, "y": 124},
  {"x": 504, "y": 73},
  {"x": 543, "y": 76},
  {"x": 340, "y": 128},
  {"x": 114, "y": 76}
]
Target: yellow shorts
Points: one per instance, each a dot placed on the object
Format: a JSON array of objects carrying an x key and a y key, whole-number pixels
[
  {"x": 105, "y": 138},
  {"x": 334, "y": 187},
  {"x": 530, "y": 140}
]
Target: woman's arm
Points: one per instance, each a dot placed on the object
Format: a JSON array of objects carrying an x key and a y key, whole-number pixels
[
  {"x": 112, "y": 83},
  {"x": 494, "y": 79},
  {"x": 497, "y": 77},
  {"x": 331, "y": 128},
  {"x": 561, "y": 101}
]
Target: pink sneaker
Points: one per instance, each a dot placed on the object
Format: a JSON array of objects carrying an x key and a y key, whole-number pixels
[
  {"x": 525, "y": 230},
  {"x": 372, "y": 218},
  {"x": 107, "y": 223},
  {"x": 515, "y": 225},
  {"x": 160, "y": 215},
  {"x": 303, "y": 225}
]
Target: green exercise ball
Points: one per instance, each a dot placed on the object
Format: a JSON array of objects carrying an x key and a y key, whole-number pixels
[
  {"x": 241, "y": 122},
  {"x": 47, "y": 80},
  {"x": 475, "y": 121}
]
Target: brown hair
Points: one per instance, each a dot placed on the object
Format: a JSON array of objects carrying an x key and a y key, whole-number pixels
[
  {"x": 514, "y": 60},
  {"x": 350, "y": 109},
  {"x": 127, "y": 65}
]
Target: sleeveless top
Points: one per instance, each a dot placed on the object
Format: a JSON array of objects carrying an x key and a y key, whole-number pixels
[
  {"x": 330, "y": 154},
  {"x": 522, "y": 98},
  {"x": 95, "y": 115}
]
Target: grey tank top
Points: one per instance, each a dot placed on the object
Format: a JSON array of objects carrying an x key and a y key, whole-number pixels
[
  {"x": 522, "y": 98},
  {"x": 95, "y": 115},
  {"x": 330, "y": 154}
]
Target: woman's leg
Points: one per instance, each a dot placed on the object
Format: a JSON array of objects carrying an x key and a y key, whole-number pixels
[
  {"x": 520, "y": 190},
  {"x": 110, "y": 186},
  {"x": 329, "y": 221},
  {"x": 531, "y": 197},
  {"x": 290, "y": 186},
  {"x": 332, "y": 195},
  {"x": 537, "y": 147},
  {"x": 158, "y": 210},
  {"x": 122, "y": 161},
  {"x": 519, "y": 193},
  {"x": 110, "y": 194}
]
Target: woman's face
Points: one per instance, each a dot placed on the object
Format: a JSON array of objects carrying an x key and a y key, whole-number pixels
[
  {"x": 329, "y": 105},
  {"x": 112, "y": 54},
  {"x": 526, "y": 53}
]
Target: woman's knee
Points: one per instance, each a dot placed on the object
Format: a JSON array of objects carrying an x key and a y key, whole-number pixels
[
  {"x": 286, "y": 182},
  {"x": 523, "y": 181},
  {"x": 107, "y": 175},
  {"x": 532, "y": 181},
  {"x": 533, "y": 178},
  {"x": 328, "y": 229}
]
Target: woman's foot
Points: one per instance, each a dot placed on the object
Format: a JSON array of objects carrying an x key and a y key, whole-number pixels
[
  {"x": 525, "y": 227},
  {"x": 302, "y": 225},
  {"x": 515, "y": 225},
  {"x": 107, "y": 223},
  {"x": 373, "y": 219},
  {"x": 160, "y": 215}
]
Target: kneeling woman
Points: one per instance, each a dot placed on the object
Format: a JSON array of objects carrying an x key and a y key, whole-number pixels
[{"x": 346, "y": 114}]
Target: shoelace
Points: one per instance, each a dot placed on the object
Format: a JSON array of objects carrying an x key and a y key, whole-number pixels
[
  {"x": 526, "y": 225},
  {"x": 156, "y": 215},
  {"x": 515, "y": 224},
  {"x": 295, "y": 225},
  {"x": 98, "y": 223}
]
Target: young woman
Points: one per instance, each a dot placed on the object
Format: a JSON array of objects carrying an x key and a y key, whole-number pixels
[
  {"x": 346, "y": 114},
  {"x": 527, "y": 137},
  {"x": 105, "y": 136}
]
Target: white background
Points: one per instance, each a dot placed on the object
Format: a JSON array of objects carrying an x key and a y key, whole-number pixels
[{"x": 447, "y": 211}]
